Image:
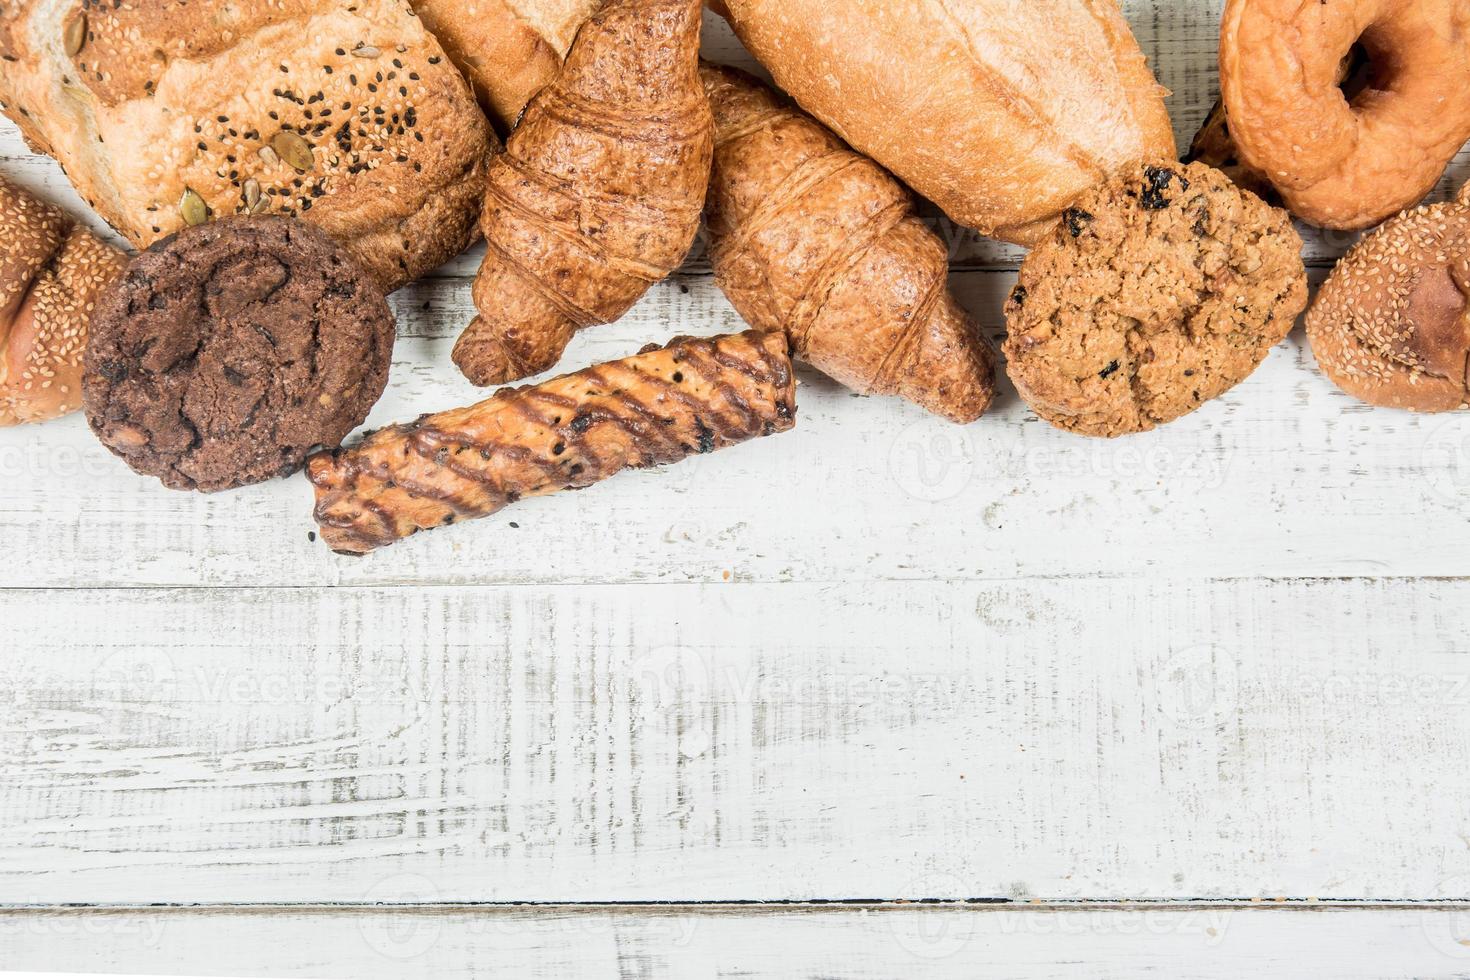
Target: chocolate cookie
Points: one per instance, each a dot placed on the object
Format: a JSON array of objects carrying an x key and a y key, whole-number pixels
[
  {"x": 1159, "y": 290},
  {"x": 228, "y": 352}
]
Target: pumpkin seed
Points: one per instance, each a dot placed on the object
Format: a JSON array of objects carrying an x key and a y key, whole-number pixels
[
  {"x": 294, "y": 150},
  {"x": 366, "y": 51},
  {"x": 193, "y": 208},
  {"x": 268, "y": 156},
  {"x": 261, "y": 206},
  {"x": 74, "y": 35},
  {"x": 252, "y": 194}
]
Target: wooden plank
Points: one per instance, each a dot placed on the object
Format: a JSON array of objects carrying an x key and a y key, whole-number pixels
[
  {"x": 692, "y": 943},
  {"x": 1284, "y": 476},
  {"x": 1032, "y": 739}
]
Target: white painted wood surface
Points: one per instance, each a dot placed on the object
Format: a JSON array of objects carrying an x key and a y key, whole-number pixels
[
  {"x": 933, "y": 942},
  {"x": 880, "y": 657}
]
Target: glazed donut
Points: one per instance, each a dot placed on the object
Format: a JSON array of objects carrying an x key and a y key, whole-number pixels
[{"x": 1340, "y": 163}]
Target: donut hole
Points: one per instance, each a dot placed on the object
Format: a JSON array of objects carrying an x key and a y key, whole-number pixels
[{"x": 1361, "y": 73}]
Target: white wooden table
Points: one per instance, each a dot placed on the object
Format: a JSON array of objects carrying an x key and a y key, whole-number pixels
[{"x": 1194, "y": 703}]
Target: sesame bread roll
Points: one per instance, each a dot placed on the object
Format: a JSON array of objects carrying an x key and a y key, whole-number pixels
[
  {"x": 167, "y": 113},
  {"x": 1390, "y": 325},
  {"x": 51, "y": 272}
]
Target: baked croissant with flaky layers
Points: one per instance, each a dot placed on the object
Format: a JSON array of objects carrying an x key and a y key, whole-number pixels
[
  {"x": 51, "y": 272},
  {"x": 1001, "y": 112},
  {"x": 598, "y": 193},
  {"x": 808, "y": 237},
  {"x": 167, "y": 113},
  {"x": 660, "y": 406}
]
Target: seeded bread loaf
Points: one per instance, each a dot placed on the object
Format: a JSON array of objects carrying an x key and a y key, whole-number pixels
[
  {"x": 508, "y": 49},
  {"x": 166, "y": 113}
]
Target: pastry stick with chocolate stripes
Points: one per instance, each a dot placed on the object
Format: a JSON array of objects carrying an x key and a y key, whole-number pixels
[{"x": 660, "y": 406}]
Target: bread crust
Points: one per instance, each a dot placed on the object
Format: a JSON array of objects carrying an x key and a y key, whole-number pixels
[
  {"x": 509, "y": 49},
  {"x": 1391, "y": 325},
  {"x": 51, "y": 273},
  {"x": 598, "y": 193},
  {"x": 1000, "y": 113},
  {"x": 151, "y": 105},
  {"x": 1346, "y": 164}
]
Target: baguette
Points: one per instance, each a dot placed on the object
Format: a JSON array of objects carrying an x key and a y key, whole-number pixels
[
  {"x": 508, "y": 49},
  {"x": 658, "y": 407},
  {"x": 1002, "y": 113},
  {"x": 808, "y": 237},
  {"x": 598, "y": 193},
  {"x": 168, "y": 113}
]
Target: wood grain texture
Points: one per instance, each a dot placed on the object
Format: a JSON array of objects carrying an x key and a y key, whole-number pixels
[
  {"x": 938, "y": 942},
  {"x": 1225, "y": 659},
  {"x": 1028, "y": 739},
  {"x": 1284, "y": 476}
]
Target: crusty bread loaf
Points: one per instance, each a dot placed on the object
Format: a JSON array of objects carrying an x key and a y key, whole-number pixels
[
  {"x": 509, "y": 49},
  {"x": 1390, "y": 324},
  {"x": 1000, "y": 112},
  {"x": 171, "y": 112},
  {"x": 51, "y": 271}
]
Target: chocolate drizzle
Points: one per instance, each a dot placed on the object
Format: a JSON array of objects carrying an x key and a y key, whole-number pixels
[{"x": 567, "y": 433}]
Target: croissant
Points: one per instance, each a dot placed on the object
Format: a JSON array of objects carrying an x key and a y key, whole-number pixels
[
  {"x": 51, "y": 271},
  {"x": 657, "y": 407},
  {"x": 808, "y": 237},
  {"x": 598, "y": 193}
]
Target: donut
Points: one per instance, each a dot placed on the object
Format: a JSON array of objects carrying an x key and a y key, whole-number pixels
[
  {"x": 1344, "y": 162},
  {"x": 1390, "y": 326}
]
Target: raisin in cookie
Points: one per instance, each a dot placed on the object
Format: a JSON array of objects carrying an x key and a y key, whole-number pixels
[
  {"x": 1159, "y": 290},
  {"x": 228, "y": 352}
]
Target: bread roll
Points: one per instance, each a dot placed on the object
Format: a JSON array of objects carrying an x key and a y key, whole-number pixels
[
  {"x": 1002, "y": 112},
  {"x": 509, "y": 49},
  {"x": 1389, "y": 326},
  {"x": 51, "y": 271},
  {"x": 172, "y": 112}
]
